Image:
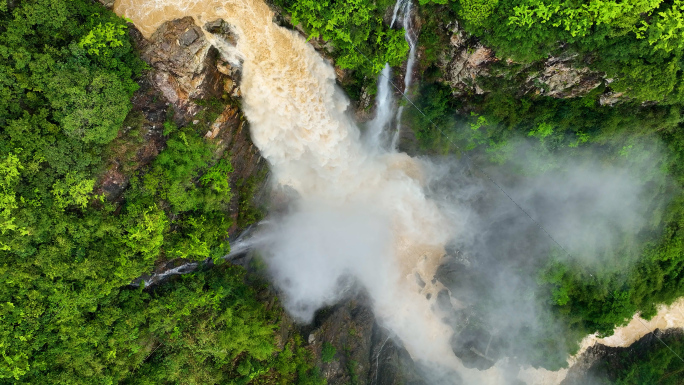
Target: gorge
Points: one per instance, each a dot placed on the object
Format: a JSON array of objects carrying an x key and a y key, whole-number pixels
[
  {"x": 432, "y": 192},
  {"x": 345, "y": 189}
]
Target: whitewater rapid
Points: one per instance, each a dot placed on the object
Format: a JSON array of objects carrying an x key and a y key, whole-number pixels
[
  {"x": 361, "y": 210},
  {"x": 299, "y": 123}
]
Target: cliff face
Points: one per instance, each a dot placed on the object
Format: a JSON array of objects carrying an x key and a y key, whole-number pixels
[{"x": 466, "y": 62}]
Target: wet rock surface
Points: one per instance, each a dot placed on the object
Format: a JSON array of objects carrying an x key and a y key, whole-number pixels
[
  {"x": 189, "y": 84},
  {"x": 189, "y": 75},
  {"x": 365, "y": 353},
  {"x": 138, "y": 142},
  {"x": 599, "y": 363}
]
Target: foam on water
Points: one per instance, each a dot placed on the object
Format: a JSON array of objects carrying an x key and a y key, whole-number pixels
[
  {"x": 298, "y": 121},
  {"x": 360, "y": 212}
]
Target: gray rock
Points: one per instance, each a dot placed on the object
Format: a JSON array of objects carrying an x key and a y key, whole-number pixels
[
  {"x": 466, "y": 61},
  {"x": 560, "y": 79},
  {"x": 108, "y": 3},
  {"x": 188, "y": 37},
  {"x": 223, "y": 29},
  {"x": 463, "y": 63},
  {"x": 611, "y": 98},
  {"x": 467, "y": 65}
]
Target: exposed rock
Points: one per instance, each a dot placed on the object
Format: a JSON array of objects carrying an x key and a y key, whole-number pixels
[
  {"x": 599, "y": 363},
  {"x": 113, "y": 182},
  {"x": 467, "y": 61},
  {"x": 611, "y": 98},
  {"x": 364, "y": 352},
  {"x": 463, "y": 64},
  {"x": 138, "y": 142},
  {"x": 457, "y": 38},
  {"x": 560, "y": 80},
  {"x": 230, "y": 133},
  {"x": 107, "y": 3},
  {"x": 188, "y": 37},
  {"x": 229, "y": 114},
  {"x": 391, "y": 364},
  {"x": 223, "y": 29},
  {"x": 185, "y": 65},
  {"x": 186, "y": 68},
  {"x": 230, "y": 83},
  {"x": 363, "y": 110},
  {"x": 348, "y": 327}
]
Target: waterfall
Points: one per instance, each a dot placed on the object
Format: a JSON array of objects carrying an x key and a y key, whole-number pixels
[
  {"x": 155, "y": 278},
  {"x": 358, "y": 213},
  {"x": 402, "y": 9},
  {"x": 378, "y": 128}
]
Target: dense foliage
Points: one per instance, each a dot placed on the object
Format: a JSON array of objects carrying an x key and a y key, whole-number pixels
[
  {"x": 68, "y": 252},
  {"x": 355, "y": 28},
  {"x": 637, "y": 42}
]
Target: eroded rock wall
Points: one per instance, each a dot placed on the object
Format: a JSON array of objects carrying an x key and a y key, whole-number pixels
[{"x": 466, "y": 62}]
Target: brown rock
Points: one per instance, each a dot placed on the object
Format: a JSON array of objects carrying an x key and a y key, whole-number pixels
[
  {"x": 185, "y": 65},
  {"x": 229, "y": 114},
  {"x": 467, "y": 64}
]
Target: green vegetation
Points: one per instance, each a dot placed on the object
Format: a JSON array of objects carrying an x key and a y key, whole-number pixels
[
  {"x": 536, "y": 133},
  {"x": 248, "y": 212},
  {"x": 203, "y": 328},
  {"x": 352, "y": 371},
  {"x": 68, "y": 252},
  {"x": 638, "y": 42},
  {"x": 328, "y": 352},
  {"x": 654, "y": 365},
  {"x": 361, "y": 40}
]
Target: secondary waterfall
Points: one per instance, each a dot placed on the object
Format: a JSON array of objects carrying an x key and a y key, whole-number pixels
[
  {"x": 402, "y": 10},
  {"x": 379, "y": 127}
]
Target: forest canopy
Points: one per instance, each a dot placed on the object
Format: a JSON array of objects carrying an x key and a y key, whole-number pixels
[{"x": 68, "y": 253}]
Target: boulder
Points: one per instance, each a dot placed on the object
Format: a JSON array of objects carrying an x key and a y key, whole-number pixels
[{"x": 185, "y": 66}]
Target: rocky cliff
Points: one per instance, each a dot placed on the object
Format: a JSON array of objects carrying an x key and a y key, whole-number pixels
[{"x": 465, "y": 63}]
